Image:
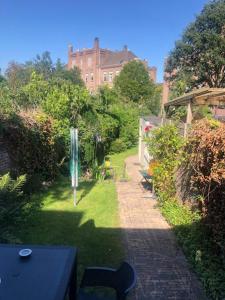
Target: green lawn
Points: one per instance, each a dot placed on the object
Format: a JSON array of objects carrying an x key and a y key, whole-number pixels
[
  {"x": 117, "y": 161},
  {"x": 92, "y": 226}
]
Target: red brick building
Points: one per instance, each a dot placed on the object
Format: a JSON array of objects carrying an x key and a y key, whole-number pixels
[{"x": 99, "y": 66}]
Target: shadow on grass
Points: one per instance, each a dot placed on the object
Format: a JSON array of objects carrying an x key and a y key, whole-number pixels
[
  {"x": 85, "y": 187},
  {"x": 61, "y": 190},
  {"x": 96, "y": 246}
]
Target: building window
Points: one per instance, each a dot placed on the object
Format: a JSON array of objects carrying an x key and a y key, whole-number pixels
[
  {"x": 110, "y": 76},
  {"x": 92, "y": 77},
  {"x": 89, "y": 62},
  {"x": 105, "y": 76},
  {"x": 86, "y": 78},
  {"x": 81, "y": 62}
]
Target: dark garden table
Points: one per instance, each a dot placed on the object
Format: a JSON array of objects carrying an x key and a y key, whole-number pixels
[{"x": 48, "y": 273}]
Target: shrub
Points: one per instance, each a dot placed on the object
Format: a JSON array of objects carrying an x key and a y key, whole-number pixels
[
  {"x": 118, "y": 146},
  {"x": 206, "y": 164},
  {"x": 31, "y": 144},
  {"x": 7, "y": 106},
  {"x": 129, "y": 133},
  {"x": 15, "y": 206},
  {"x": 11, "y": 200},
  {"x": 165, "y": 144},
  {"x": 128, "y": 117}
]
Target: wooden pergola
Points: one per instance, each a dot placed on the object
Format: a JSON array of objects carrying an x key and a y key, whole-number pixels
[{"x": 212, "y": 97}]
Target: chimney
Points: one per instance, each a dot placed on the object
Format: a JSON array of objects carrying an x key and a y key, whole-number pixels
[
  {"x": 96, "y": 43},
  {"x": 70, "y": 48},
  {"x": 125, "y": 48},
  {"x": 70, "y": 52}
]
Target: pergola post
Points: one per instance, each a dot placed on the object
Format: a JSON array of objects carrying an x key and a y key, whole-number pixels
[
  {"x": 189, "y": 118},
  {"x": 189, "y": 113}
]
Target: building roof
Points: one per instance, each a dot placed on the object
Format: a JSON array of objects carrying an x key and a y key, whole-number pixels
[
  {"x": 116, "y": 57},
  {"x": 203, "y": 96}
]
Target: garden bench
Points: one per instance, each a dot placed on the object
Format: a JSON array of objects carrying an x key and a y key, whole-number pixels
[{"x": 146, "y": 176}]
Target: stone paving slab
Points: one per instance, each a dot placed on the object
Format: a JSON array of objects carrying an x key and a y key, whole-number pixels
[{"x": 162, "y": 270}]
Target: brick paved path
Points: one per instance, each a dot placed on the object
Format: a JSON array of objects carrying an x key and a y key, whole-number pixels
[{"x": 162, "y": 270}]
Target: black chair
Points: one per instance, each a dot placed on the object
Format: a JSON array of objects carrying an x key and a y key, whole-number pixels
[{"x": 121, "y": 280}]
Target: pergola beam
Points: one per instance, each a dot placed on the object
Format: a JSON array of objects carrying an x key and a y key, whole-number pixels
[
  {"x": 204, "y": 96},
  {"x": 214, "y": 99}
]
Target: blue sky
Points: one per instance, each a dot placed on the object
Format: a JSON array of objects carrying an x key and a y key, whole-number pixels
[{"x": 148, "y": 27}]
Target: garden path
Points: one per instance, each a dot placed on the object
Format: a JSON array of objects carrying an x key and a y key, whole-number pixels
[{"x": 162, "y": 270}]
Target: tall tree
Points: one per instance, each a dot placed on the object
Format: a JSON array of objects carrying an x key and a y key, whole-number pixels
[
  {"x": 72, "y": 75},
  {"x": 17, "y": 75},
  {"x": 200, "y": 54},
  {"x": 43, "y": 65},
  {"x": 133, "y": 81},
  {"x": 105, "y": 98},
  {"x": 134, "y": 84}
]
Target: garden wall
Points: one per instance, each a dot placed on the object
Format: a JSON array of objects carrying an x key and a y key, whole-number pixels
[{"x": 4, "y": 158}]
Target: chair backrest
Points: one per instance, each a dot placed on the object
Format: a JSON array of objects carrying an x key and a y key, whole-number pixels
[{"x": 125, "y": 280}]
